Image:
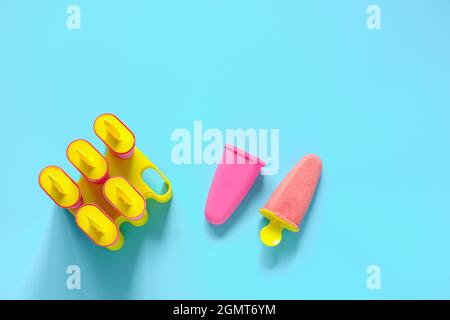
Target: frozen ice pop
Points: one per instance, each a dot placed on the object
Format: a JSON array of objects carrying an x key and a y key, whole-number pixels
[{"x": 289, "y": 203}]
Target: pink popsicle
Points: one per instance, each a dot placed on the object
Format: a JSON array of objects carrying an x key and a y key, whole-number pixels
[
  {"x": 235, "y": 174},
  {"x": 289, "y": 203}
]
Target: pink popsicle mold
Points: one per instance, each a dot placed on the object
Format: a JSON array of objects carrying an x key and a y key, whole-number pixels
[{"x": 234, "y": 176}]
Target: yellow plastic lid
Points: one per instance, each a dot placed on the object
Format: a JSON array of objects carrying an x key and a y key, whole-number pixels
[
  {"x": 60, "y": 187},
  {"x": 91, "y": 163},
  {"x": 124, "y": 198},
  {"x": 114, "y": 134},
  {"x": 97, "y": 225}
]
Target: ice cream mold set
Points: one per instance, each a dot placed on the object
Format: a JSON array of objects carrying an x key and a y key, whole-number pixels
[{"x": 111, "y": 190}]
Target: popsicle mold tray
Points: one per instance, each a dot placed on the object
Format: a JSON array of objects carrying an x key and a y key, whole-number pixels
[{"x": 111, "y": 190}]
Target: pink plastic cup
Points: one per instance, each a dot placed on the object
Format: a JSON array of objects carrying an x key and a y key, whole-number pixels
[{"x": 235, "y": 174}]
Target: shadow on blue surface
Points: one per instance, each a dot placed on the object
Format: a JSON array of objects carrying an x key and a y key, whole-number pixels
[
  {"x": 104, "y": 274},
  {"x": 221, "y": 230}
]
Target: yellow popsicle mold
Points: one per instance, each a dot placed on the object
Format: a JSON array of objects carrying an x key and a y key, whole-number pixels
[
  {"x": 124, "y": 198},
  {"x": 271, "y": 234},
  {"x": 97, "y": 225},
  {"x": 60, "y": 187},
  {"x": 106, "y": 204},
  {"x": 90, "y": 162},
  {"x": 117, "y": 137}
]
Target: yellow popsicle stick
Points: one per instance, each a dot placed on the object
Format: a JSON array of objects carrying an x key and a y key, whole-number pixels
[
  {"x": 271, "y": 234},
  {"x": 124, "y": 198},
  {"x": 59, "y": 186},
  {"x": 97, "y": 225},
  {"x": 122, "y": 195},
  {"x": 112, "y": 131},
  {"x": 114, "y": 134},
  {"x": 84, "y": 158},
  {"x": 91, "y": 163}
]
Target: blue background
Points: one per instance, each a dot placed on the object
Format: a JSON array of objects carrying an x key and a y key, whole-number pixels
[{"x": 373, "y": 104}]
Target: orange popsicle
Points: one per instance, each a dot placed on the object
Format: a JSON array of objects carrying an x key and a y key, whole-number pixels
[{"x": 289, "y": 203}]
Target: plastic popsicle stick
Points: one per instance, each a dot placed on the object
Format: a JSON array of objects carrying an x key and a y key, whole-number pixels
[
  {"x": 60, "y": 187},
  {"x": 123, "y": 197},
  {"x": 112, "y": 131},
  {"x": 97, "y": 225},
  {"x": 56, "y": 185},
  {"x": 272, "y": 233},
  {"x": 84, "y": 159},
  {"x": 116, "y": 135},
  {"x": 88, "y": 160}
]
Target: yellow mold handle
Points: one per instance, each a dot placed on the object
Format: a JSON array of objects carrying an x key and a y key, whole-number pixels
[
  {"x": 133, "y": 169},
  {"x": 149, "y": 192},
  {"x": 271, "y": 235}
]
